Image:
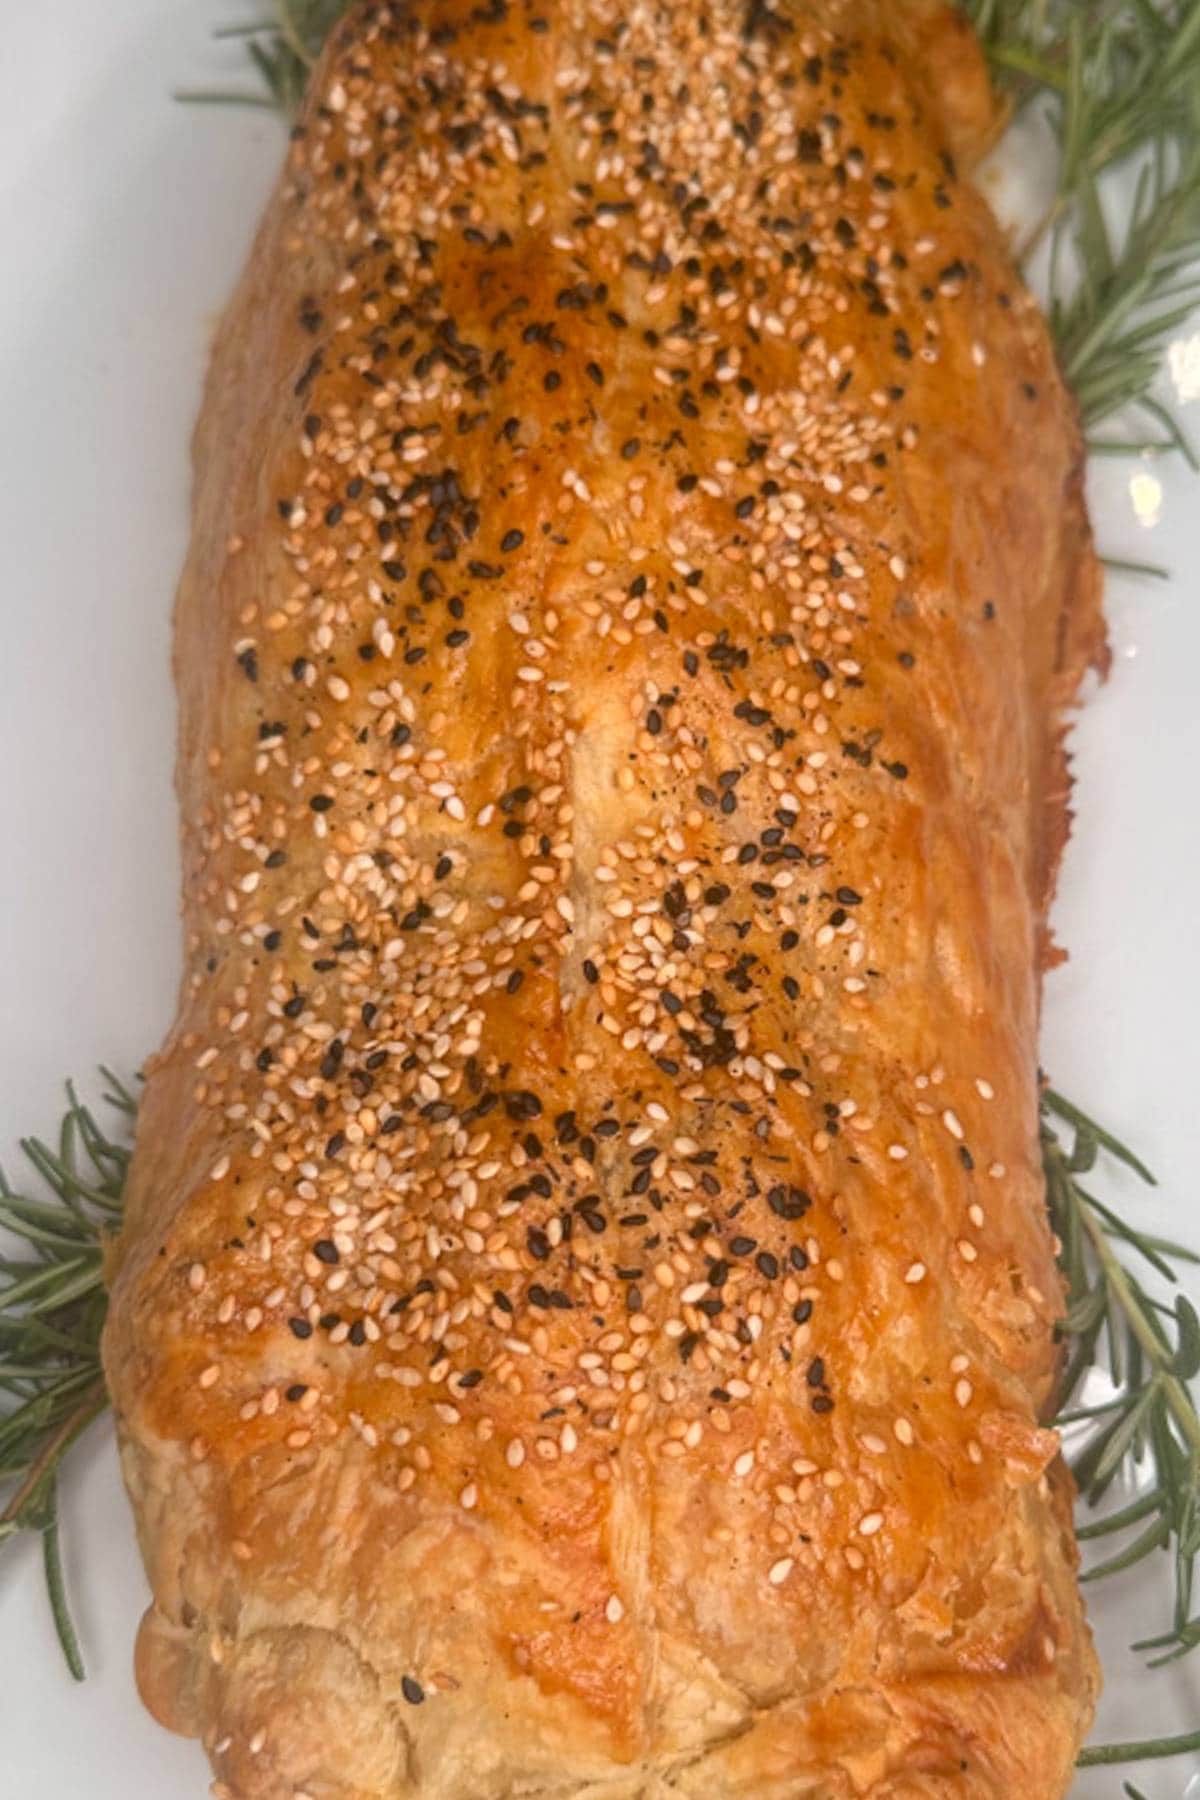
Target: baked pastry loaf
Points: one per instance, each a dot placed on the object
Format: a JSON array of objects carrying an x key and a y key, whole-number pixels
[{"x": 586, "y": 1308}]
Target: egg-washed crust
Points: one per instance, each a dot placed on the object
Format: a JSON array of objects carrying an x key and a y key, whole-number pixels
[{"x": 586, "y": 1307}]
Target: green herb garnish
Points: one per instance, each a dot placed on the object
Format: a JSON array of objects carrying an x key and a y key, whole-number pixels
[
  {"x": 283, "y": 50},
  {"x": 52, "y": 1307},
  {"x": 1150, "y": 1353},
  {"x": 1120, "y": 83}
]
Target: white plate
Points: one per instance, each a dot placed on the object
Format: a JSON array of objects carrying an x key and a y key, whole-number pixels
[{"x": 124, "y": 218}]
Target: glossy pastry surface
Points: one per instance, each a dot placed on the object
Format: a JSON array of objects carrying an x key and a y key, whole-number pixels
[{"x": 586, "y": 1309}]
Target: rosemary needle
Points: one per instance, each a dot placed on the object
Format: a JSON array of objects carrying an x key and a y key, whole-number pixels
[
  {"x": 1123, "y": 565},
  {"x": 1146, "y": 1750}
]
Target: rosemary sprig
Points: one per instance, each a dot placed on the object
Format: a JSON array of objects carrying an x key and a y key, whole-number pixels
[
  {"x": 1120, "y": 82},
  {"x": 52, "y": 1306},
  {"x": 1150, "y": 1352}
]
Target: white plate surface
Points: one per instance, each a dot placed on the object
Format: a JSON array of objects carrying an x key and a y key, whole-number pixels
[{"x": 124, "y": 219}]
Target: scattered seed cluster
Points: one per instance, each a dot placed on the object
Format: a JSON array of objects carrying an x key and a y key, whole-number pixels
[{"x": 543, "y": 904}]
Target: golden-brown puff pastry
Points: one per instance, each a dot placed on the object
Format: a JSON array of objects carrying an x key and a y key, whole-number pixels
[{"x": 586, "y": 1308}]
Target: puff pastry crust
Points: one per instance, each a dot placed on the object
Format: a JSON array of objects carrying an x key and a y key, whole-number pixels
[{"x": 586, "y": 1310}]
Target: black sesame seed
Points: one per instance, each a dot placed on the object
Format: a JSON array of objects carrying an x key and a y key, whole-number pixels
[{"x": 788, "y": 1202}]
